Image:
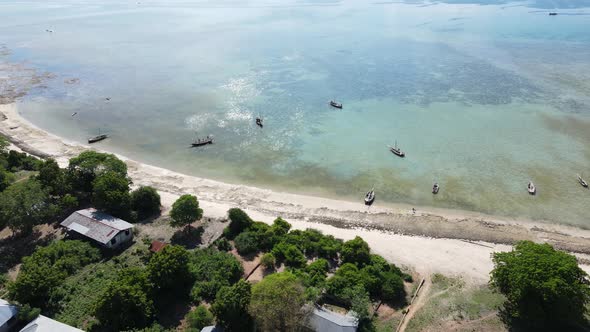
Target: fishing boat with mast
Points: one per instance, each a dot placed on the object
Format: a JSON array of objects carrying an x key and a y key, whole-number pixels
[
  {"x": 370, "y": 197},
  {"x": 396, "y": 151},
  {"x": 203, "y": 141},
  {"x": 97, "y": 138},
  {"x": 335, "y": 104},
  {"x": 531, "y": 188},
  {"x": 582, "y": 181}
]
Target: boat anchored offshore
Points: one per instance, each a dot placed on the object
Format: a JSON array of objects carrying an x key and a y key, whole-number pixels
[
  {"x": 531, "y": 188},
  {"x": 582, "y": 182},
  {"x": 259, "y": 122},
  {"x": 370, "y": 197},
  {"x": 97, "y": 138},
  {"x": 435, "y": 188},
  {"x": 335, "y": 104},
  {"x": 203, "y": 141},
  {"x": 552, "y": 14},
  {"x": 396, "y": 151}
]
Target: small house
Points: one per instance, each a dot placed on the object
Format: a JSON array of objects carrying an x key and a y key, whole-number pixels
[
  {"x": 45, "y": 324},
  {"x": 7, "y": 315},
  {"x": 103, "y": 228},
  {"x": 324, "y": 320},
  {"x": 157, "y": 246}
]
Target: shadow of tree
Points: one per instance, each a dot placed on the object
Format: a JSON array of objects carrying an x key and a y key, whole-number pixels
[
  {"x": 14, "y": 248},
  {"x": 189, "y": 237}
]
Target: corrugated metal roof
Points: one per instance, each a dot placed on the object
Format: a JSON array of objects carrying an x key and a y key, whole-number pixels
[
  {"x": 96, "y": 225},
  {"x": 324, "y": 320},
  {"x": 212, "y": 328},
  {"x": 44, "y": 324},
  {"x": 7, "y": 311}
]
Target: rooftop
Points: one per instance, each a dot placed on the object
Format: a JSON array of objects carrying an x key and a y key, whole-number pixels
[
  {"x": 157, "y": 246},
  {"x": 324, "y": 320},
  {"x": 7, "y": 311},
  {"x": 96, "y": 225},
  {"x": 45, "y": 324}
]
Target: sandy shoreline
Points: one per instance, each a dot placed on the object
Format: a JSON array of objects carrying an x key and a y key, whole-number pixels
[{"x": 433, "y": 240}]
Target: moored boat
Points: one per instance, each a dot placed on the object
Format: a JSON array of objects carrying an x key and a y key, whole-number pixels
[
  {"x": 203, "y": 141},
  {"x": 335, "y": 104},
  {"x": 552, "y": 14},
  {"x": 395, "y": 150},
  {"x": 531, "y": 188},
  {"x": 370, "y": 197},
  {"x": 435, "y": 188},
  {"x": 582, "y": 182},
  {"x": 97, "y": 138},
  {"x": 259, "y": 122}
]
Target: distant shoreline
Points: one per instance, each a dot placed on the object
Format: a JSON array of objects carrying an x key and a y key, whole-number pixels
[{"x": 433, "y": 240}]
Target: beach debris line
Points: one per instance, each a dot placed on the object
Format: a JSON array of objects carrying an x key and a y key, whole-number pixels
[
  {"x": 370, "y": 197},
  {"x": 335, "y": 104},
  {"x": 531, "y": 188},
  {"x": 397, "y": 151},
  {"x": 97, "y": 138},
  {"x": 435, "y": 188},
  {"x": 582, "y": 181},
  {"x": 203, "y": 141}
]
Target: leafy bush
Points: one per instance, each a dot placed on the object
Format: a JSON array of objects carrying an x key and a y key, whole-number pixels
[
  {"x": 185, "y": 211},
  {"x": 212, "y": 270},
  {"x": 289, "y": 254},
  {"x": 223, "y": 244},
  {"x": 246, "y": 243},
  {"x": 168, "y": 270},
  {"x": 21, "y": 161},
  {"x": 199, "y": 318},
  {"x": 146, "y": 201},
  {"x": 239, "y": 221},
  {"x": 111, "y": 193},
  {"x": 356, "y": 251},
  {"x": 25, "y": 204},
  {"x": 47, "y": 267},
  {"x": 231, "y": 306},
  {"x": 268, "y": 261}
]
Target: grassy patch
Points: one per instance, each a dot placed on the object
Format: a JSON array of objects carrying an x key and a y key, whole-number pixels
[{"x": 453, "y": 305}]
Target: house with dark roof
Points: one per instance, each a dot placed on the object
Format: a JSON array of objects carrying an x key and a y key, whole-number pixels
[
  {"x": 45, "y": 324},
  {"x": 102, "y": 228},
  {"x": 324, "y": 320},
  {"x": 7, "y": 315}
]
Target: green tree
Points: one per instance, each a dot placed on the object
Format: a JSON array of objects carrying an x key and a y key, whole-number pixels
[
  {"x": 277, "y": 303},
  {"x": 127, "y": 302},
  {"x": 239, "y": 221},
  {"x": 146, "y": 201},
  {"x": 27, "y": 314},
  {"x": 111, "y": 194},
  {"x": 52, "y": 177},
  {"x": 168, "y": 270},
  {"x": 231, "y": 306},
  {"x": 246, "y": 243},
  {"x": 199, "y": 318},
  {"x": 185, "y": 211},
  {"x": 212, "y": 270},
  {"x": 356, "y": 251},
  {"x": 280, "y": 227},
  {"x": 6, "y": 178},
  {"x": 24, "y": 205},
  {"x": 46, "y": 269},
  {"x": 544, "y": 287},
  {"x": 268, "y": 261},
  {"x": 84, "y": 168},
  {"x": 290, "y": 254}
]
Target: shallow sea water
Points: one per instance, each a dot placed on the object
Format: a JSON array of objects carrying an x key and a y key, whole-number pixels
[{"x": 483, "y": 97}]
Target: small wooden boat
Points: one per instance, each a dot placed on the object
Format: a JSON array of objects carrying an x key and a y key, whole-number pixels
[
  {"x": 370, "y": 197},
  {"x": 97, "y": 138},
  {"x": 335, "y": 104},
  {"x": 552, "y": 14},
  {"x": 259, "y": 122},
  {"x": 395, "y": 150},
  {"x": 203, "y": 141},
  {"x": 531, "y": 188},
  {"x": 582, "y": 182},
  {"x": 435, "y": 188},
  {"x": 73, "y": 114}
]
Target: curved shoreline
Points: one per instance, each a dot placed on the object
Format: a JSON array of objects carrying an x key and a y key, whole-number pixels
[{"x": 467, "y": 236}]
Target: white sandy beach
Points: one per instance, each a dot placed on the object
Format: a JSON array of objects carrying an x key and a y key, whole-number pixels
[{"x": 433, "y": 240}]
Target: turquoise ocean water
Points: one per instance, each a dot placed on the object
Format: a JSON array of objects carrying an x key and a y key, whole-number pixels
[{"x": 482, "y": 95}]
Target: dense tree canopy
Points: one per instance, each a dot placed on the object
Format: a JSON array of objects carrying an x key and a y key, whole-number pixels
[
  {"x": 146, "y": 201},
  {"x": 212, "y": 270},
  {"x": 127, "y": 303},
  {"x": 231, "y": 306},
  {"x": 24, "y": 205},
  {"x": 84, "y": 168},
  {"x": 199, "y": 318},
  {"x": 168, "y": 270},
  {"x": 277, "y": 303},
  {"x": 356, "y": 251},
  {"x": 53, "y": 178},
  {"x": 47, "y": 267},
  {"x": 111, "y": 194},
  {"x": 247, "y": 243},
  {"x": 6, "y": 178},
  {"x": 239, "y": 221},
  {"x": 185, "y": 211},
  {"x": 544, "y": 287}
]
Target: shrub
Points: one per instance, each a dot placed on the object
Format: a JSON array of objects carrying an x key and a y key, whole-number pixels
[
  {"x": 231, "y": 306},
  {"x": 146, "y": 201},
  {"x": 25, "y": 204},
  {"x": 268, "y": 261},
  {"x": 199, "y": 318},
  {"x": 110, "y": 192},
  {"x": 168, "y": 270},
  {"x": 185, "y": 211},
  {"x": 223, "y": 244},
  {"x": 246, "y": 243},
  {"x": 212, "y": 270},
  {"x": 27, "y": 314},
  {"x": 356, "y": 251},
  {"x": 239, "y": 221}
]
